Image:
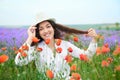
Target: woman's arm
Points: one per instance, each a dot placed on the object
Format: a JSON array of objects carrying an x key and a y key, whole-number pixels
[
  {"x": 24, "y": 56},
  {"x": 25, "y": 52},
  {"x": 91, "y": 48},
  {"x": 77, "y": 51}
]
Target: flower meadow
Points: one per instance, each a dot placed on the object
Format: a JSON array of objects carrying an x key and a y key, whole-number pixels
[{"x": 104, "y": 65}]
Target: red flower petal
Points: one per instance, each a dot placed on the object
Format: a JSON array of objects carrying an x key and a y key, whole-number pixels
[
  {"x": 75, "y": 39},
  {"x": 35, "y": 39},
  {"x": 3, "y": 58},
  {"x": 49, "y": 74},
  {"x": 68, "y": 58},
  {"x": 59, "y": 50},
  {"x": 83, "y": 57},
  {"x": 47, "y": 41},
  {"x": 58, "y": 42},
  {"x": 39, "y": 49},
  {"x": 70, "y": 49}
]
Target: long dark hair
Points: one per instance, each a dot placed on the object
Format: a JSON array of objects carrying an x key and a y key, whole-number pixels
[{"x": 58, "y": 30}]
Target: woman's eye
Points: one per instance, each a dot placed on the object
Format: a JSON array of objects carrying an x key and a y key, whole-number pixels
[
  {"x": 40, "y": 29},
  {"x": 48, "y": 26}
]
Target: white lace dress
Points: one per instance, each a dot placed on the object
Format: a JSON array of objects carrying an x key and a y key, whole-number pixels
[{"x": 46, "y": 60}]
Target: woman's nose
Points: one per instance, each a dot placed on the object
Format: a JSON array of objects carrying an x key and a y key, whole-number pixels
[{"x": 45, "y": 30}]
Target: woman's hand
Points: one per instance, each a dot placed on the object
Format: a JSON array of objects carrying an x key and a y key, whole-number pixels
[
  {"x": 31, "y": 33},
  {"x": 92, "y": 33}
]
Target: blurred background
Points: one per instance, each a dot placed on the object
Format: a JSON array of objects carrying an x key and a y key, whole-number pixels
[
  {"x": 103, "y": 15},
  {"x": 23, "y": 12},
  {"x": 17, "y": 15}
]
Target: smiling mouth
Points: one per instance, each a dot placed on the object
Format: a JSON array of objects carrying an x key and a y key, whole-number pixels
[{"x": 47, "y": 35}]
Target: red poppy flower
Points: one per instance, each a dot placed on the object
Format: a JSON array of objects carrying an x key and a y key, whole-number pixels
[
  {"x": 68, "y": 58},
  {"x": 3, "y": 58},
  {"x": 49, "y": 74},
  {"x": 58, "y": 42},
  {"x": 104, "y": 63},
  {"x": 116, "y": 51},
  {"x": 47, "y": 41},
  {"x": 83, "y": 57},
  {"x": 23, "y": 54},
  {"x": 75, "y": 39},
  {"x": 4, "y": 48},
  {"x": 105, "y": 48},
  {"x": 70, "y": 49},
  {"x": 25, "y": 47},
  {"x": 75, "y": 76},
  {"x": 109, "y": 60},
  {"x": 98, "y": 51},
  {"x": 35, "y": 39},
  {"x": 39, "y": 49},
  {"x": 117, "y": 68},
  {"x": 73, "y": 67},
  {"x": 14, "y": 48},
  {"x": 59, "y": 50},
  {"x": 20, "y": 50}
]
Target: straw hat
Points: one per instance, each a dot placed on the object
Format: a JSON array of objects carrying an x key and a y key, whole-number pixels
[{"x": 40, "y": 17}]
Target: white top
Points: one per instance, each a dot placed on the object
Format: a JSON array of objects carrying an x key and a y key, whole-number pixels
[{"x": 46, "y": 60}]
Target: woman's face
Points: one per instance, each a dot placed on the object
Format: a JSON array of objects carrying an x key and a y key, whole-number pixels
[{"x": 46, "y": 30}]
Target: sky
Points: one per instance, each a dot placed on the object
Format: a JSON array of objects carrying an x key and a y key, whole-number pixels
[{"x": 23, "y": 12}]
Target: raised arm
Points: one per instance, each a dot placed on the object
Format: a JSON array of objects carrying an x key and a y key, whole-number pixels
[
  {"x": 91, "y": 48},
  {"x": 25, "y": 52}
]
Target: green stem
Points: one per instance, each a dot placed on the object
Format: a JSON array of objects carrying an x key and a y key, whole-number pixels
[{"x": 95, "y": 69}]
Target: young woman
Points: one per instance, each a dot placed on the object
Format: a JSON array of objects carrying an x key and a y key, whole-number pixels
[{"x": 52, "y": 55}]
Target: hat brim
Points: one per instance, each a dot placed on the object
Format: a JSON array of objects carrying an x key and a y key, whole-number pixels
[{"x": 38, "y": 22}]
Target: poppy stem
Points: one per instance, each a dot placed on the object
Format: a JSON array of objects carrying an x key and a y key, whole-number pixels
[{"x": 95, "y": 69}]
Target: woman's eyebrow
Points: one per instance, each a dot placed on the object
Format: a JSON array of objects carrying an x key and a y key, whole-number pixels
[
  {"x": 40, "y": 27},
  {"x": 45, "y": 25}
]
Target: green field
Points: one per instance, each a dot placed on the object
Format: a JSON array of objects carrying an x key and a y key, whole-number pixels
[{"x": 95, "y": 26}]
